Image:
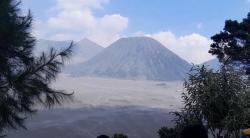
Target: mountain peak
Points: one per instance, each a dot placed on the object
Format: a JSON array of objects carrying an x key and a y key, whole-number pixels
[
  {"x": 138, "y": 38},
  {"x": 139, "y": 43},
  {"x": 82, "y": 50},
  {"x": 86, "y": 41},
  {"x": 136, "y": 58}
]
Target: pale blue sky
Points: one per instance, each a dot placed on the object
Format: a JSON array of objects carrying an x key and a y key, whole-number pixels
[
  {"x": 183, "y": 23},
  {"x": 180, "y": 16}
]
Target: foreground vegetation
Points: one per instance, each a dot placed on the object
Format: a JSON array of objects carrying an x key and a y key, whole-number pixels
[
  {"x": 24, "y": 79},
  {"x": 219, "y": 99}
]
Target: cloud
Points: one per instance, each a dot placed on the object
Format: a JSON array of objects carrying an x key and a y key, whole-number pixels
[
  {"x": 75, "y": 19},
  {"x": 192, "y": 47}
]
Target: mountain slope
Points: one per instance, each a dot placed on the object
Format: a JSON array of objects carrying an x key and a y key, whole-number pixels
[
  {"x": 44, "y": 45},
  {"x": 135, "y": 58},
  {"x": 86, "y": 49},
  {"x": 213, "y": 64},
  {"x": 82, "y": 50}
]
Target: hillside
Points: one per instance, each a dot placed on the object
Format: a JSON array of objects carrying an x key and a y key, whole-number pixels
[
  {"x": 82, "y": 51},
  {"x": 213, "y": 64},
  {"x": 139, "y": 58}
]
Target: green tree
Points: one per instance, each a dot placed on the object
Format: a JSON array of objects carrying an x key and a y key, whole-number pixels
[
  {"x": 218, "y": 100},
  {"x": 24, "y": 79},
  {"x": 232, "y": 45}
]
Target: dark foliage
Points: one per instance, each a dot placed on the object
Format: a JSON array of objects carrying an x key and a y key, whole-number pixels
[
  {"x": 232, "y": 45},
  {"x": 194, "y": 131},
  {"x": 166, "y": 132},
  {"x": 119, "y": 136},
  {"x": 215, "y": 99},
  {"x": 24, "y": 79},
  {"x": 102, "y": 136},
  {"x": 218, "y": 100}
]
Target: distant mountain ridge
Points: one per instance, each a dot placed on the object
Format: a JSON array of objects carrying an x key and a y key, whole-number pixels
[
  {"x": 86, "y": 49},
  {"x": 44, "y": 45},
  {"x": 213, "y": 64},
  {"x": 135, "y": 58},
  {"x": 82, "y": 50}
]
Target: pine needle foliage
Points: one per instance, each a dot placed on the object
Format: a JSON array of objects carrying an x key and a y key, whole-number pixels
[{"x": 25, "y": 80}]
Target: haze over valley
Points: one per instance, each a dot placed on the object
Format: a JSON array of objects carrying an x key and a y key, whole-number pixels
[{"x": 116, "y": 89}]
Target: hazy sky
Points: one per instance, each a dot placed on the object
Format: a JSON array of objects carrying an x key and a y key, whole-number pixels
[{"x": 184, "y": 26}]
